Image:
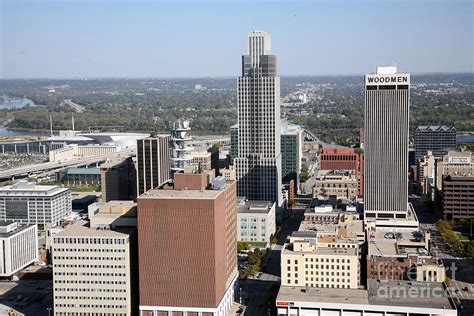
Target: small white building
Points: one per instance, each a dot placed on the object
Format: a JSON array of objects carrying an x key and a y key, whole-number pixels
[
  {"x": 19, "y": 247},
  {"x": 28, "y": 203},
  {"x": 255, "y": 220}
]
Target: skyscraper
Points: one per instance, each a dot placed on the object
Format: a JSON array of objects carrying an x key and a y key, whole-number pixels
[
  {"x": 438, "y": 139},
  {"x": 153, "y": 162},
  {"x": 387, "y": 102},
  {"x": 258, "y": 165},
  {"x": 187, "y": 247}
]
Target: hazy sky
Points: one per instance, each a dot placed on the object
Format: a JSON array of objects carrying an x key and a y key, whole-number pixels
[{"x": 206, "y": 38}]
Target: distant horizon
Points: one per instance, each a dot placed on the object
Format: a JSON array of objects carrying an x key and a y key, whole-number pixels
[{"x": 224, "y": 76}]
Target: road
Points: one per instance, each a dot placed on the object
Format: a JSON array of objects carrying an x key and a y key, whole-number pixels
[
  {"x": 52, "y": 167},
  {"x": 428, "y": 221},
  {"x": 262, "y": 291},
  {"x": 36, "y": 297},
  {"x": 77, "y": 107}
]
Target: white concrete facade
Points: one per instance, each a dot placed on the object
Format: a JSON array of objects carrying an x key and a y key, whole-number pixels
[
  {"x": 18, "y": 247},
  {"x": 28, "y": 203},
  {"x": 256, "y": 221},
  {"x": 222, "y": 309}
]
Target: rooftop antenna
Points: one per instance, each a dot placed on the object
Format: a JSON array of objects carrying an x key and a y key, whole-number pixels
[
  {"x": 51, "y": 125},
  {"x": 72, "y": 119}
]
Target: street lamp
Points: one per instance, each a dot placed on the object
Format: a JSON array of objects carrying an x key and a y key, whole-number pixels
[{"x": 49, "y": 310}]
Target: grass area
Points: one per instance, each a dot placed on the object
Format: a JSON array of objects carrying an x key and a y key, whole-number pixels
[
  {"x": 457, "y": 240},
  {"x": 461, "y": 236},
  {"x": 254, "y": 262}
]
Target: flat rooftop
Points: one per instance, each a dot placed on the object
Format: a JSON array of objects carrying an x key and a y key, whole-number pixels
[
  {"x": 180, "y": 194},
  {"x": 324, "y": 251},
  {"x": 322, "y": 295},
  {"x": 82, "y": 229},
  {"x": 17, "y": 230},
  {"x": 430, "y": 296},
  {"x": 261, "y": 207},
  {"x": 379, "y": 293},
  {"x": 380, "y": 243},
  {"x": 24, "y": 188}
]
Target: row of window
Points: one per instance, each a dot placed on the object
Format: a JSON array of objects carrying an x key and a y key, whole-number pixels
[
  {"x": 93, "y": 274},
  {"x": 89, "y": 250},
  {"x": 100, "y": 298},
  {"x": 87, "y": 282},
  {"x": 89, "y": 290},
  {"x": 108, "y": 266},
  {"x": 90, "y": 306},
  {"x": 88, "y": 258},
  {"x": 94, "y": 241}
]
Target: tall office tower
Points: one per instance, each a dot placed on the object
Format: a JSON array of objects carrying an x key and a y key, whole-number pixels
[
  {"x": 95, "y": 263},
  {"x": 387, "y": 102},
  {"x": 153, "y": 162},
  {"x": 118, "y": 179},
  {"x": 437, "y": 139},
  {"x": 258, "y": 165},
  {"x": 187, "y": 247}
]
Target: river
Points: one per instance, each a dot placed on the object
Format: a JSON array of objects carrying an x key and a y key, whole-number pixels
[{"x": 10, "y": 102}]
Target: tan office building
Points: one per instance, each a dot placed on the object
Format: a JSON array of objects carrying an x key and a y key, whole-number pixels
[
  {"x": 188, "y": 246},
  {"x": 94, "y": 263}
]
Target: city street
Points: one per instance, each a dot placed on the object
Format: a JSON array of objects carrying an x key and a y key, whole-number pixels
[
  {"x": 260, "y": 290},
  {"x": 27, "y": 297}
]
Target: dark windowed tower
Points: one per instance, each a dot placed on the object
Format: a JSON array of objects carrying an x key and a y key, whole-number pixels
[{"x": 438, "y": 139}]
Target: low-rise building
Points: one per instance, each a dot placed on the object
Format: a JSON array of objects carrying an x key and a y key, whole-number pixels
[
  {"x": 28, "y": 203},
  {"x": 324, "y": 254},
  {"x": 255, "y": 220},
  {"x": 19, "y": 247},
  {"x": 402, "y": 255},
  {"x": 454, "y": 163},
  {"x": 74, "y": 151},
  {"x": 401, "y": 298},
  {"x": 340, "y": 184},
  {"x": 95, "y": 263},
  {"x": 228, "y": 173},
  {"x": 458, "y": 197}
]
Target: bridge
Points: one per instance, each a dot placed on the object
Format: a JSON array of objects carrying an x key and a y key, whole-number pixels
[
  {"x": 49, "y": 168},
  {"x": 308, "y": 135}
]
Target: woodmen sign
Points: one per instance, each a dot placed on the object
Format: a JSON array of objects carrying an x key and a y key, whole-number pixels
[{"x": 387, "y": 79}]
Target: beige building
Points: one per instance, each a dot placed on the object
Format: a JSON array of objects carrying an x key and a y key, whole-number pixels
[
  {"x": 95, "y": 263},
  {"x": 324, "y": 256},
  {"x": 430, "y": 270},
  {"x": 255, "y": 220},
  {"x": 454, "y": 163},
  {"x": 73, "y": 151},
  {"x": 304, "y": 263},
  {"x": 228, "y": 173},
  {"x": 426, "y": 171},
  {"x": 342, "y": 184},
  {"x": 202, "y": 158}
]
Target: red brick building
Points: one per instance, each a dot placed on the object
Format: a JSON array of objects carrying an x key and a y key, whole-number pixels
[
  {"x": 343, "y": 158},
  {"x": 187, "y": 238}
]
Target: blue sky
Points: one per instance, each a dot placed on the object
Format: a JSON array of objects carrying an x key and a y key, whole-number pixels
[{"x": 206, "y": 38}]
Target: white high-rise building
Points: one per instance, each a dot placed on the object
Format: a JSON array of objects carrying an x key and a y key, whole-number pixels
[
  {"x": 258, "y": 165},
  {"x": 387, "y": 102}
]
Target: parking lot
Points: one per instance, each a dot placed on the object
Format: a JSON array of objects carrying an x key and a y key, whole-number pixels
[{"x": 26, "y": 297}]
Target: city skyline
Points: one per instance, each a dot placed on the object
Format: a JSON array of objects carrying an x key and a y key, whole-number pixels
[{"x": 90, "y": 47}]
